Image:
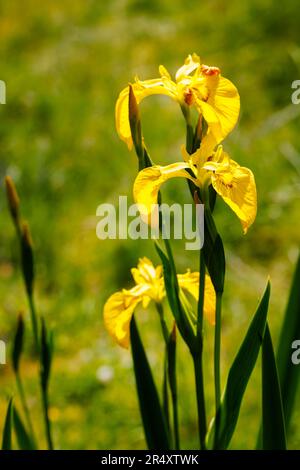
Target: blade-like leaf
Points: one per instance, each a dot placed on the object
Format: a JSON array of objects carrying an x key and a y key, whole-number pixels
[
  {"x": 153, "y": 420},
  {"x": 288, "y": 373},
  {"x": 273, "y": 427},
  {"x": 223, "y": 427},
  {"x": 7, "y": 430},
  {"x": 23, "y": 438},
  {"x": 213, "y": 252},
  {"x": 176, "y": 300}
]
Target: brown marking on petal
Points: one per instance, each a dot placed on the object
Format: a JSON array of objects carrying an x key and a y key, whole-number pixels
[
  {"x": 210, "y": 71},
  {"x": 188, "y": 97},
  {"x": 227, "y": 185}
]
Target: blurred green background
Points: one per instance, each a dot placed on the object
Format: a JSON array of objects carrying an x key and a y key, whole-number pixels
[{"x": 64, "y": 64}]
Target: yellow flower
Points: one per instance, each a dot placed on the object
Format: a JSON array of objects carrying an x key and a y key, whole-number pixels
[
  {"x": 119, "y": 308},
  {"x": 198, "y": 85},
  {"x": 234, "y": 183}
]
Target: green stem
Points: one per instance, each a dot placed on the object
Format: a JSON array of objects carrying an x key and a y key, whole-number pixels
[
  {"x": 217, "y": 350},
  {"x": 34, "y": 323},
  {"x": 175, "y": 419},
  {"x": 197, "y": 357},
  {"x": 24, "y": 404},
  {"x": 201, "y": 295},
  {"x": 163, "y": 323},
  {"x": 165, "y": 392},
  {"x": 44, "y": 397},
  {"x": 189, "y": 138},
  {"x": 46, "y": 419},
  {"x": 170, "y": 372}
]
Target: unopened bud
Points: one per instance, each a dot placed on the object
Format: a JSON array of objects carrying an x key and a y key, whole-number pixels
[
  {"x": 13, "y": 199},
  {"x": 135, "y": 126},
  {"x": 134, "y": 112}
]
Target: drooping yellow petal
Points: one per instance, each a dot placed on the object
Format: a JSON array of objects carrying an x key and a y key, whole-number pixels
[
  {"x": 190, "y": 282},
  {"x": 148, "y": 183},
  {"x": 118, "y": 311},
  {"x": 236, "y": 185},
  {"x": 141, "y": 89},
  {"x": 221, "y": 107}
]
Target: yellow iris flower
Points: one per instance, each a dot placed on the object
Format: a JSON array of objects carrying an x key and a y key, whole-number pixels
[
  {"x": 119, "y": 308},
  {"x": 234, "y": 183},
  {"x": 197, "y": 85}
]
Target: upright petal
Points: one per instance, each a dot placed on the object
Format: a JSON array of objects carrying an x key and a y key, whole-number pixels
[
  {"x": 118, "y": 311},
  {"x": 236, "y": 185},
  {"x": 190, "y": 282},
  {"x": 191, "y": 63},
  {"x": 145, "y": 271},
  {"x": 141, "y": 89},
  {"x": 147, "y": 275},
  {"x": 148, "y": 183}
]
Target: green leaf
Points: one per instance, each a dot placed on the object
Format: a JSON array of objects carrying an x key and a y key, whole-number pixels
[
  {"x": 18, "y": 343},
  {"x": 23, "y": 438},
  {"x": 273, "y": 427},
  {"x": 153, "y": 420},
  {"x": 213, "y": 252},
  {"x": 177, "y": 301},
  {"x": 7, "y": 430},
  {"x": 288, "y": 372},
  {"x": 173, "y": 383},
  {"x": 224, "y": 425}
]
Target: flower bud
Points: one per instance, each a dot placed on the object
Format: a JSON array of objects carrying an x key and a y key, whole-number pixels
[
  {"x": 13, "y": 200},
  {"x": 135, "y": 126}
]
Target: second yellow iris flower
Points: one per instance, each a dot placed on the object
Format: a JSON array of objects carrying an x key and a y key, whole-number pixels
[{"x": 120, "y": 306}]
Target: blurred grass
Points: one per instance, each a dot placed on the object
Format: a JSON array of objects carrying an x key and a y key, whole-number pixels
[{"x": 64, "y": 65}]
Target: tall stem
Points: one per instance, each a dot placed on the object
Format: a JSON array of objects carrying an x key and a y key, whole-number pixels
[
  {"x": 198, "y": 369},
  {"x": 24, "y": 404},
  {"x": 197, "y": 358},
  {"x": 34, "y": 323},
  {"x": 46, "y": 419},
  {"x": 44, "y": 396},
  {"x": 201, "y": 295},
  {"x": 217, "y": 349},
  {"x": 170, "y": 370}
]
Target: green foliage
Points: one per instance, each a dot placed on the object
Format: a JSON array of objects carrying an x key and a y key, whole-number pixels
[
  {"x": 153, "y": 419},
  {"x": 224, "y": 425},
  {"x": 273, "y": 425},
  {"x": 24, "y": 440},
  {"x": 288, "y": 373},
  {"x": 7, "y": 430}
]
